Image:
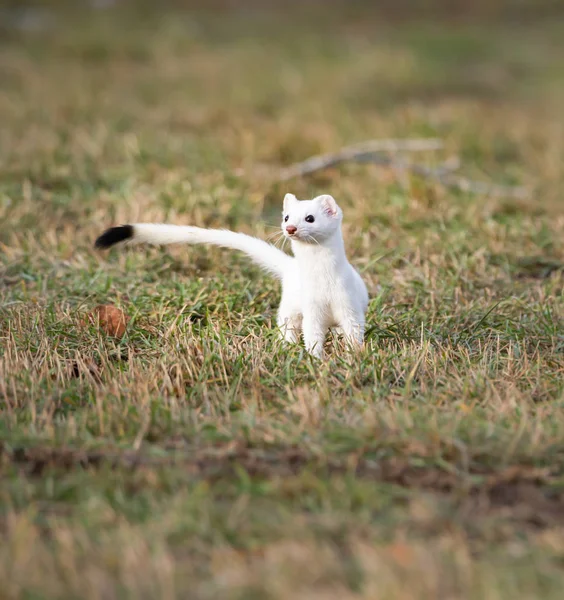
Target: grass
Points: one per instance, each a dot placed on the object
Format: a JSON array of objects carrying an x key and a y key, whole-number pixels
[{"x": 198, "y": 456}]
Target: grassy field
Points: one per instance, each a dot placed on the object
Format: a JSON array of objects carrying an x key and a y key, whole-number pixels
[{"x": 197, "y": 456}]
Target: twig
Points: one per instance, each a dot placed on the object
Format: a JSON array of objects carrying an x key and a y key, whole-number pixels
[
  {"x": 381, "y": 152},
  {"x": 445, "y": 176},
  {"x": 358, "y": 152}
]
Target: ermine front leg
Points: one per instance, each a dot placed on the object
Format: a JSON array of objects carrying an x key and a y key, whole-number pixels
[
  {"x": 289, "y": 313},
  {"x": 315, "y": 330},
  {"x": 290, "y": 324}
]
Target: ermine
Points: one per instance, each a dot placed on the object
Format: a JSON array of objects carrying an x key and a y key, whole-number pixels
[{"x": 320, "y": 289}]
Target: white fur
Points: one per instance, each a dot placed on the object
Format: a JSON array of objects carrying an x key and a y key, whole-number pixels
[
  {"x": 320, "y": 289},
  {"x": 266, "y": 255}
]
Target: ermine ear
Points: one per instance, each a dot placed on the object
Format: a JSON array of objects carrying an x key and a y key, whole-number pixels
[
  {"x": 289, "y": 199},
  {"x": 328, "y": 205}
]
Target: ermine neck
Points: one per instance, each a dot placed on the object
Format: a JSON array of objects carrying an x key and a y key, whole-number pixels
[{"x": 332, "y": 248}]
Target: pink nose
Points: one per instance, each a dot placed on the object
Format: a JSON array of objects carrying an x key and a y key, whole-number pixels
[{"x": 291, "y": 229}]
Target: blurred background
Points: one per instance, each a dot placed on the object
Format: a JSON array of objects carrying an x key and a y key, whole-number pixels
[
  {"x": 272, "y": 82},
  {"x": 197, "y": 456}
]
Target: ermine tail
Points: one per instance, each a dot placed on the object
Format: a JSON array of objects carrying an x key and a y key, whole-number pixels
[{"x": 265, "y": 255}]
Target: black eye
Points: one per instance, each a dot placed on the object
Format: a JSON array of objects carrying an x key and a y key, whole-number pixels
[
  {"x": 309, "y": 219},
  {"x": 286, "y": 218}
]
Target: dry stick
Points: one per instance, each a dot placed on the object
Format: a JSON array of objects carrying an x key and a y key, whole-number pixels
[
  {"x": 358, "y": 152},
  {"x": 373, "y": 151},
  {"x": 445, "y": 176}
]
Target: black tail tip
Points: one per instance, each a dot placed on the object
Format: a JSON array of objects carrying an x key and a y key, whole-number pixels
[{"x": 114, "y": 235}]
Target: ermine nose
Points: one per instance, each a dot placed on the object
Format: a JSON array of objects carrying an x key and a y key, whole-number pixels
[{"x": 291, "y": 229}]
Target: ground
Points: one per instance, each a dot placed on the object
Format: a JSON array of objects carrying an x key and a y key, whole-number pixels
[{"x": 197, "y": 456}]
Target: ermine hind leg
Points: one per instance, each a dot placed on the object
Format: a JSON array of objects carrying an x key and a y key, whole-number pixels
[{"x": 352, "y": 328}]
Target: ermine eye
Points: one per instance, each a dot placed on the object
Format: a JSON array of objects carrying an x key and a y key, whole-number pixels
[
  {"x": 309, "y": 219},
  {"x": 286, "y": 218}
]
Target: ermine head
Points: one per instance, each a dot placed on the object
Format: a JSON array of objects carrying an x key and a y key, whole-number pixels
[{"x": 310, "y": 221}]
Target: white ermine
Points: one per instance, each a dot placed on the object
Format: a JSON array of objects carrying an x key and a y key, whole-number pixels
[{"x": 320, "y": 289}]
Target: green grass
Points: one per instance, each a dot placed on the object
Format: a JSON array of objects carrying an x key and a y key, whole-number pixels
[{"x": 198, "y": 456}]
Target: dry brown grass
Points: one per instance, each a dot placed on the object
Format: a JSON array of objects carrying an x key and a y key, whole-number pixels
[{"x": 197, "y": 456}]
